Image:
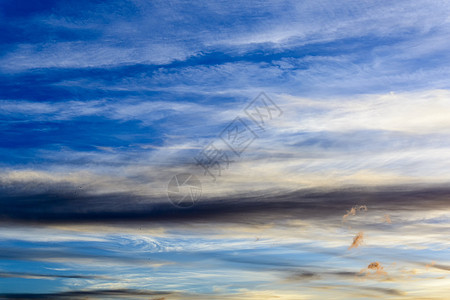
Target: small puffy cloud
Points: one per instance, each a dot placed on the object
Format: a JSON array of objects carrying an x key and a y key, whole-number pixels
[{"x": 357, "y": 240}]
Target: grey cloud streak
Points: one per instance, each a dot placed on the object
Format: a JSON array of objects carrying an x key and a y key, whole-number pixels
[{"x": 34, "y": 204}]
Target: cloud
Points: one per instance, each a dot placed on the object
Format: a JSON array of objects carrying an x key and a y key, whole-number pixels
[
  {"x": 71, "y": 257},
  {"x": 103, "y": 102},
  {"x": 353, "y": 211},
  {"x": 357, "y": 240},
  {"x": 375, "y": 267},
  {"x": 96, "y": 294},
  {"x": 356, "y": 150},
  {"x": 48, "y": 276},
  {"x": 35, "y": 201}
]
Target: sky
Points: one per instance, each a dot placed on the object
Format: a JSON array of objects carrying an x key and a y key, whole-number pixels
[{"x": 224, "y": 149}]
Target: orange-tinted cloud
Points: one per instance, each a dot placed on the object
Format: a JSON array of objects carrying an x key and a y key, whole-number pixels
[
  {"x": 374, "y": 268},
  {"x": 357, "y": 240},
  {"x": 430, "y": 265},
  {"x": 353, "y": 210}
]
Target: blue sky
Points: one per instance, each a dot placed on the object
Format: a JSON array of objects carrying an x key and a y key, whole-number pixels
[{"x": 103, "y": 102}]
